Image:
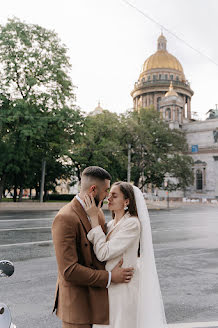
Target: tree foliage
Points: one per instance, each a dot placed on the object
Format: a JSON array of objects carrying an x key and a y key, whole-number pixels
[
  {"x": 38, "y": 118},
  {"x": 157, "y": 151},
  {"x": 101, "y": 144},
  {"x": 34, "y": 65}
]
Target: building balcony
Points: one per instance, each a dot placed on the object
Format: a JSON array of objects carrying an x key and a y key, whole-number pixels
[{"x": 161, "y": 82}]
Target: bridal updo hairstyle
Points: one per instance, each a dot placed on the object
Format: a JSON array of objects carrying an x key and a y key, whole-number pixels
[{"x": 128, "y": 193}]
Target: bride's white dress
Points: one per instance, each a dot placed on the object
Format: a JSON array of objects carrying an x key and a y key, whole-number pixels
[{"x": 122, "y": 241}]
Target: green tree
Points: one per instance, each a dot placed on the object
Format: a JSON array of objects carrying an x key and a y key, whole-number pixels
[
  {"x": 34, "y": 65},
  {"x": 101, "y": 144},
  {"x": 157, "y": 151},
  {"x": 38, "y": 118}
]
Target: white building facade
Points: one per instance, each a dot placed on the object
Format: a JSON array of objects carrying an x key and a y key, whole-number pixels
[{"x": 162, "y": 84}]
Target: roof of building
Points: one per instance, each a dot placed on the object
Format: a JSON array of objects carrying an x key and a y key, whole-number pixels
[
  {"x": 171, "y": 91},
  {"x": 162, "y": 58},
  {"x": 97, "y": 110}
]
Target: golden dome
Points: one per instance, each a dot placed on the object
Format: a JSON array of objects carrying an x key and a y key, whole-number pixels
[
  {"x": 171, "y": 91},
  {"x": 97, "y": 110},
  {"x": 162, "y": 58}
]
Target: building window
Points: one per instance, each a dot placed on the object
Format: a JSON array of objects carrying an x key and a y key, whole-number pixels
[
  {"x": 177, "y": 78},
  {"x": 154, "y": 77},
  {"x": 166, "y": 77},
  {"x": 158, "y": 103},
  {"x": 149, "y": 77},
  {"x": 159, "y": 76},
  {"x": 204, "y": 176},
  {"x": 168, "y": 113},
  {"x": 199, "y": 180},
  {"x": 143, "y": 80},
  {"x": 171, "y": 77}
]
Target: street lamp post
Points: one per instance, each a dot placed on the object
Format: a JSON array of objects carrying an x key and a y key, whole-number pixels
[
  {"x": 129, "y": 164},
  {"x": 167, "y": 192},
  {"x": 42, "y": 181}
]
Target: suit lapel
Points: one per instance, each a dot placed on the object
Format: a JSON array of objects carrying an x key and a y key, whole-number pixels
[
  {"x": 114, "y": 227},
  {"x": 81, "y": 213}
]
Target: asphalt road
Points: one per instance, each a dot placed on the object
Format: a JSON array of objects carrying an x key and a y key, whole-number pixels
[{"x": 186, "y": 251}]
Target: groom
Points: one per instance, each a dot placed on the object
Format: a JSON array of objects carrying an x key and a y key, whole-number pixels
[{"x": 81, "y": 291}]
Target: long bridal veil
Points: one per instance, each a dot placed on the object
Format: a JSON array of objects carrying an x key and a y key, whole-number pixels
[{"x": 150, "y": 303}]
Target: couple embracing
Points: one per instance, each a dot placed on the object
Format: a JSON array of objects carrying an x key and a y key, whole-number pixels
[{"x": 102, "y": 283}]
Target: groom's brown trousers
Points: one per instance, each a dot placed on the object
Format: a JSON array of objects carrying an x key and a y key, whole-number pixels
[{"x": 70, "y": 325}]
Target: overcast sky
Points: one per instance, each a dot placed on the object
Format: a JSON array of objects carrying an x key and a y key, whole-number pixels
[{"x": 109, "y": 41}]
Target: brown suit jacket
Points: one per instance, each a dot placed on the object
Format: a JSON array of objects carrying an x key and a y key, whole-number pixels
[{"x": 81, "y": 293}]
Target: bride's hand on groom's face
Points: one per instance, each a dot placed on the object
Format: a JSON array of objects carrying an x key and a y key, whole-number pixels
[{"x": 91, "y": 209}]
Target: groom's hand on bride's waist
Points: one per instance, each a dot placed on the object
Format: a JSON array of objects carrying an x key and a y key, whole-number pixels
[{"x": 120, "y": 275}]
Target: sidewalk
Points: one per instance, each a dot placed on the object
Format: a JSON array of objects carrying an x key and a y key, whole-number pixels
[
  {"x": 55, "y": 206},
  {"x": 31, "y": 206}
]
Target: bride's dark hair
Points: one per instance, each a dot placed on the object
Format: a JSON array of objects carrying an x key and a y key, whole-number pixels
[{"x": 128, "y": 193}]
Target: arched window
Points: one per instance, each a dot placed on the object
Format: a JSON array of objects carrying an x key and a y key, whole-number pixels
[
  {"x": 168, "y": 113},
  {"x": 158, "y": 103},
  {"x": 199, "y": 180}
]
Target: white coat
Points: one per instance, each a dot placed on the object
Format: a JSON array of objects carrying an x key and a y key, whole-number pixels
[{"x": 122, "y": 241}]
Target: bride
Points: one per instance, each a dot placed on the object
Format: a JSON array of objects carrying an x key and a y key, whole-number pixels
[{"x": 137, "y": 304}]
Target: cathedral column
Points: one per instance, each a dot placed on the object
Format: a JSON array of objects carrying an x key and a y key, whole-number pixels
[
  {"x": 188, "y": 108},
  {"x": 174, "y": 114},
  {"x": 161, "y": 113},
  {"x": 171, "y": 113},
  {"x": 184, "y": 99},
  {"x": 143, "y": 101},
  {"x": 155, "y": 101},
  {"x": 181, "y": 116}
]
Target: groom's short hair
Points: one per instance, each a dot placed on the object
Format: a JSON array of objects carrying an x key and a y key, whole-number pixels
[{"x": 96, "y": 172}]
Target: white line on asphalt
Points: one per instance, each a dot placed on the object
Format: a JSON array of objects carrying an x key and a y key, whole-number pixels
[
  {"x": 186, "y": 229},
  {"x": 5, "y": 216},
  {"x": 29, "y": 243},
  {"x": 21, "y": 220},
  {"x": 194, "y": 324},
  {"x": 12, "y": 229},
  {"x": 176, "y": 213}
]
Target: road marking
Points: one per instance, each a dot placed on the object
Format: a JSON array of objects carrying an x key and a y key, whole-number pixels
[
  {"x": 194, "y": 324},
  {"x": 5, "y": 216},
  {"x": 29, "y": 243},
  {"x": 182, "y": 229},
  {"x": 21, "y": 220},
  {"x": 176, "y": 213},
  {"x": 14, "y": 229}
]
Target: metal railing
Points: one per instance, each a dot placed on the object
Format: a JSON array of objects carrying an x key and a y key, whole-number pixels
[{"x": 161, "y": 82}]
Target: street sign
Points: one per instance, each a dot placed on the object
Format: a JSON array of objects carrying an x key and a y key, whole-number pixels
[{"x": 194, "y": 148}]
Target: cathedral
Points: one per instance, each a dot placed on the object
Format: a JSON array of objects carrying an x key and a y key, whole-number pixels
[{"x": 162, "y": 84}]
